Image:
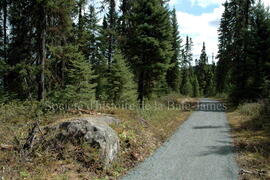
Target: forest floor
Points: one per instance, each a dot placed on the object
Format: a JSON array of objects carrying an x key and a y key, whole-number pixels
[
  {"x": 141, "y": 132},
  {"x": 251, "y": 134}
]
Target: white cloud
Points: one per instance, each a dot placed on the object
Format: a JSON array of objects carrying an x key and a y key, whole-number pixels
[
  {"x": 266, "y": 2},
  {"x": 173, "y": 2},
  {"x": 205, "y": 3},
  {"x": 201, "y": 28}
]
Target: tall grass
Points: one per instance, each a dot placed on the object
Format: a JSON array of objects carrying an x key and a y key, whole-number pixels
[{"x": 258, "y": 113}]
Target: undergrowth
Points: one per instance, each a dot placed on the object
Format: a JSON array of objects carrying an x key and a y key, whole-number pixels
[
  {"x": 251, "y": 130},
  {"x": 141, "y": 131}
]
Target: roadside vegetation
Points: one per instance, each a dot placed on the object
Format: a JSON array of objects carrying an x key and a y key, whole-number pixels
[
  {"x": 250, "y": 124},
  {"x": 141, "y": 131}
]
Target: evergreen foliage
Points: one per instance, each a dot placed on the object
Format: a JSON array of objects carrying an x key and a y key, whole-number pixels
[
  {"x": 77, "y": 85},
  {"x": 56, "y": 50},
  {"x": 149, "y": 44},
  {"x": 121, "y": 86},
  {"x": 243, "y": 50},
  {"x": 173, "y": 74}
]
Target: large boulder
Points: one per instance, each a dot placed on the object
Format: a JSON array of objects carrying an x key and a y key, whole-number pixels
[{"x": 93, "y": 131}]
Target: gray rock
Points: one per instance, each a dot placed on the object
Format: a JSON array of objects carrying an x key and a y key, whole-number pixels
[
  {"x": 91, "y": 130},
  {"x": 107, "y": 119}
]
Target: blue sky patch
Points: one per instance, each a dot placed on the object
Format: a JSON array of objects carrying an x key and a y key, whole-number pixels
[{"x": 187, "y": 7}]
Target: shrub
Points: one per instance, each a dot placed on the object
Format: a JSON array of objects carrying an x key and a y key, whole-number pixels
[{"x": 251, "y": 109}]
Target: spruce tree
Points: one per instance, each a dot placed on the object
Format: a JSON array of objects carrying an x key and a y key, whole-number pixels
[
  {"x": 241, "y": 61},
  {"x": 121, "y": 85},
  {"x": 20, "y": 76},
  {"x": 173, "y": 73},
  {"x": 260, "y": 52},
  {"x": 78, "y": 84},
  {"x": 149, "y": 44},
  {"x": 202, "y": 71},
  {"x": 111, "y": 30},
  {"x": 1, "y": 34},
  {"x": 187, "y": 88},
  {"x": 223, "y": 71},
  {"x": 196, "y": 86},
  {"x": 2, "y": 60}
]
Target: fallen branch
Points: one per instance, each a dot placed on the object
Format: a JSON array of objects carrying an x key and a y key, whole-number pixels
[{"x": 6, "y": 147}]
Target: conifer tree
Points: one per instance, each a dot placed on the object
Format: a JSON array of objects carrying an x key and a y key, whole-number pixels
[
  {"x": 34, "y": 26},
  {"x": 173, "y": 73},
  {"x": 4, "y": 13},
  {"x": 121, "y": 85},
  {"x": 20, "y": 75},
  {"x": 125, "y": 9},
  {"x": 111, "y": 30},
  {"x": 196, "y": 87},
  {"x": 2, "y": 60},
  {"x": 150, "y": 44},
  {"x": 78, "y": 84},
  {"x": 241, "y": 61},
  {"x": 202, "y": 71},
  {"x": 187, "y": 88},
  {"x": 1, "y": 33},
  {"x": 259, "y": 74}
]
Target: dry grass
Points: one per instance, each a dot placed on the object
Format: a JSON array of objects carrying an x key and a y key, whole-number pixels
[
  {"x": 140, "y": 133},
  {"x": 251, "y": 134}
]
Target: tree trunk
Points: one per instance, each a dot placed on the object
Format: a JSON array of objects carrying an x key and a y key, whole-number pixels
[
  {"x": 141, "y": 88},
  {"x": 63, "y": 65},
  {"x": 5, "y": 29},
  {"x": 5, "y": 39},
  {"x": 110, "y": 51},
  {"x": 42, "y": 54}
]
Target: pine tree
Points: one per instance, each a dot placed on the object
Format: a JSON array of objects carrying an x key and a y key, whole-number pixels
[
  {"x": 173, "y": 73},
  {"x": 149, "y": 44},
  {"x": 121, "y": 87}
]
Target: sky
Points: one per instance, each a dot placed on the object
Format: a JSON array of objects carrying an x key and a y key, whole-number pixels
[{"x": 200, "y": 20}]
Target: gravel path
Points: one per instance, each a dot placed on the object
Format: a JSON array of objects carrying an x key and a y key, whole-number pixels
[{"x": 200, "y": 150}]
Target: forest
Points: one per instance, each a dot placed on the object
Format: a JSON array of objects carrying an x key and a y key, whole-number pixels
[
  {"x": 76, "y": 50},
  {"x": 125, "y": 52}
]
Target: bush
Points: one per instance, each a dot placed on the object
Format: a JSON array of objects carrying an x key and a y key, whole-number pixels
[
  {"x": 257, "y": 113},
  {"x": 251, "y": 109}
]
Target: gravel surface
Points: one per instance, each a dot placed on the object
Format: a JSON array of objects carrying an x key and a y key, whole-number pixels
[{"x": 200, "y": 150}]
